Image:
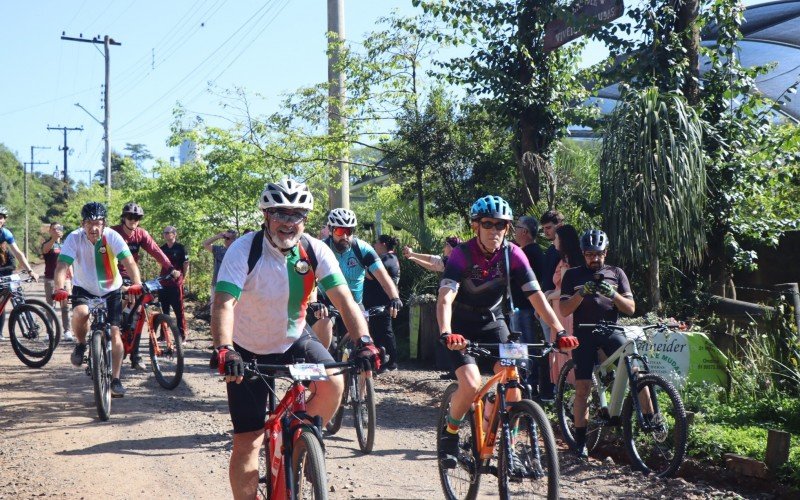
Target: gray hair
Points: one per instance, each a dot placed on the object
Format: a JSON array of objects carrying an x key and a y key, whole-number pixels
[{"x": 529, "y": 223}]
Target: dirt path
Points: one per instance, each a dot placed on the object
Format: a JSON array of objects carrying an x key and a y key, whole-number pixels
[{"x": 175, "y": 444}]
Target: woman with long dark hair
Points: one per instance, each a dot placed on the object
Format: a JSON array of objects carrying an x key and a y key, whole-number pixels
[{"x": 569, "y": 248}]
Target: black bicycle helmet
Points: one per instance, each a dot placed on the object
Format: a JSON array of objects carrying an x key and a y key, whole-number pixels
[
  {"x": 594, "y": 240},
  {"x": 94, "y": 211},
  {"x": 132, "y": 209}
]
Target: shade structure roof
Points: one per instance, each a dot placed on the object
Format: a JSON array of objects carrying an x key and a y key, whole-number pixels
[{"x": 771, "y": 35}]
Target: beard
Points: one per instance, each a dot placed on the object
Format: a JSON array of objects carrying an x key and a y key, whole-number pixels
[
  {"x": 285, "y": 240},
  {"x": 342, "y": 245}
]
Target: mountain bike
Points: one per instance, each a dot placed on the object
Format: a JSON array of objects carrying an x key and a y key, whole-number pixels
[
  {"x": 293, "y": 463},
  {"x": 98, "y": 356},
  {"x": 655, "y": 441},
  {"x": 359, "y": 389},
  {"x": 16, "y": 293},
  {"x": 166, "y": 345},
  {"x": 30, "y": 330},
  {"x": 513, "y": 441}
]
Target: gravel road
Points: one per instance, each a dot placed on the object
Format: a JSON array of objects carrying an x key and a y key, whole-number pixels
[{"x": 175, "y": 444}]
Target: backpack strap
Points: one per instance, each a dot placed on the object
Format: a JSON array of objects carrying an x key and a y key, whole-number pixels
[
  {"x": 256, "y": 247},
  {"x": 468, "y": 258},
  {"x": 305, "y": 244}
]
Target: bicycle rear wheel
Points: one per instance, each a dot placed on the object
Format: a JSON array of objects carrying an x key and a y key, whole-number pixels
[
  {"x": 528, "y": 461},
  {"x": 662, "y": 449},
  {"x": 52, "y": 317},
  {"x": 166, "y": 352},
  {"x": 308, "y": 467},
  {"x": 463, "y": 481},
  {"x": 101, "y": 373},
  {"x": 565, "y": 400},
  {"x": 32, "y": 337},
  {"x": 364, "y": 411}
]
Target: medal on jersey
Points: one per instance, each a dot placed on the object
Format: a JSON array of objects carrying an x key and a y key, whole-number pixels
[
  {"x": 302, "y": 266},
  {"x": 102, "y": 249}
]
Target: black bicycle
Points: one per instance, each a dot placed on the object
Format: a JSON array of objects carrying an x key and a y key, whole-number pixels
[{"x": 30, "y": 329}]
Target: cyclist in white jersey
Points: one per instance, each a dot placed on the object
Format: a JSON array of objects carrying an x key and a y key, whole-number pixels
[{"x": 259, "y": 313}]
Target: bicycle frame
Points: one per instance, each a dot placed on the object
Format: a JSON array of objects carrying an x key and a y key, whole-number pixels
[
  {"x": 132, "y": 332},
  {"x": 485, "y": 437}
]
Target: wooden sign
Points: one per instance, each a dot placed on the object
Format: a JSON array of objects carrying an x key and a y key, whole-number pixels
[{"x": 596, "y": 12}]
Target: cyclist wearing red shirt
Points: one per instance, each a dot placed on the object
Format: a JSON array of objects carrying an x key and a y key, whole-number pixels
[{"x": 137, "y": 238}]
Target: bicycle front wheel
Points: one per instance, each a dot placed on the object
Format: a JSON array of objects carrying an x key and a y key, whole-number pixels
[
  {"x": 32, "y": 337},
  {"x": 166, "y": 352},
  {"x": 335, "y": 423},
  {"x": 101, "y": 374},
  {"x": 364, "y": 411},
  {"x": 52, "y": 317},
  {"x": 565, "y": 403},
  {"x": 308, "y": 467},
  {"x": 528, "y": 461},
  {"x": 463, "y": 481},
  {"x": 661, "y": 447}
]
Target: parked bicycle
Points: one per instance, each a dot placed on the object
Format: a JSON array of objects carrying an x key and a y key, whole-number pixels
[
  {"x": 513, "y": 441},
  {"x": 654, "y": 423},
  {"x": 30, "y": 329},
  {"x": 293, "y": 463},
  {"x": 166, "y": 345},
  {"x": 359, "y": 388}
]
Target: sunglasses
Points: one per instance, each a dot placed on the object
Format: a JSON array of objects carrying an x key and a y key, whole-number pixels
[
  {"x": 487, "y": 224},
  {"x": 133, "y": 217},
  {"x": 288, "y": 217},
  {"x": 343, "y": 231},
  {"x": 594, "y": 255},
  {"x": 169, "y": 232}
]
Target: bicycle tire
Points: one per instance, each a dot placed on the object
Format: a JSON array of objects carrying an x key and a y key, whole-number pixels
[
  {"x": 168, "y": 365},
  {"x": 335, "y": 423},
  {"x": 55, "y": 321},
  {"x": 101, "y": 374},
  {"x": 652, "y": 459},
  {"x": 537, "y": 471},
  {"x": 32, "y": 346},
  {"x": 565, "y": 398},
  {"x": 464, "y": 480},
  {"x": 308, "y": 467},
  {"x": 364, "y": 413}
]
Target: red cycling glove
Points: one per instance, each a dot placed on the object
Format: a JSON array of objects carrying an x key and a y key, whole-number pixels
[
  {"x": 135, "y": 289},
  {"x": 229, "y": 362},
  {"x": 60, "y": 295},
  {"x": 452, "y": 338},
  {"x": 369, "y": 351},
  {"x": 566, "y": 342}
]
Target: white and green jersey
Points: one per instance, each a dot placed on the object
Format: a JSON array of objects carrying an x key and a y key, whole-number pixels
[
  {"x": 94, "y": 265},
  {"x": 271, "y": 310}
]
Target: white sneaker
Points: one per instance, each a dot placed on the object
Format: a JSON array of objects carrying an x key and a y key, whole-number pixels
[{"x": 68, "y": 337}]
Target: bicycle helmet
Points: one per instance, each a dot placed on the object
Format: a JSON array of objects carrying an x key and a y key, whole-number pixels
[
  {"x": 594, "y": 240},
  {"x": 287, "y": 193},
  {"x": 3, "y": 211},
  {"x": 491, "y": 206},
  {"x": 132, "y": 209},
  {"x": 341, "y": 217},
  {"x": 93, "y": 211}
]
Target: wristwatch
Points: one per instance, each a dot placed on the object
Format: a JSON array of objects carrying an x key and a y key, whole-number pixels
[
  {"x": 365, "y": 339},
  {"x": 224, "y": 346}
]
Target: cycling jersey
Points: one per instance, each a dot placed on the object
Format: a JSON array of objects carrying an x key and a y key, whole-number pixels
[
  {"x": 95, "y": 266},
  {"x": 594, "y": 308},
  {"x": 140, "y": 238},
  {"x": 352, "y": 269},
  {"x": 6, "y": 236},
  {"x": 481, "y": 281},
  {"x": 271, "y": 310}
]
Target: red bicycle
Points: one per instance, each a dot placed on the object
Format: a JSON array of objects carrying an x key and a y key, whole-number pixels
[
  {"x": 166, "y": 347},
  {"x": 293, "y": 463}
]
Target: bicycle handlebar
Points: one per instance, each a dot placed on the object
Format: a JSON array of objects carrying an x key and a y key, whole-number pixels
[
  {"x": 258, "y": 369},
  {"x": 613, "y": 326},
  {"x": 482, "y": 348}
]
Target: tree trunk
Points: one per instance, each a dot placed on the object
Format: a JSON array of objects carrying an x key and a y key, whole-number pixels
[
  {"x": 420, "y": 198},
  {"x": 653, "y": 279},
  {"x": 528, "y": 150},
  {"x": 686, "y": 25}
]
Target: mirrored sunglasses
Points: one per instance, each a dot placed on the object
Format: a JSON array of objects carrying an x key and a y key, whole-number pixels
[{"x": 343, "y": 231}]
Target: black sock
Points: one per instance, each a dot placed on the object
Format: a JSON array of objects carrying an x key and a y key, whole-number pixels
[{"x": 580, "y": 437}]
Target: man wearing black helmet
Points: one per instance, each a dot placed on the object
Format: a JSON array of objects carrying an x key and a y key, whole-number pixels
[
  {"x": 592, "y": 293},
  {"x": 94, "y": 251},
  {"x": 138, "y": 238}
]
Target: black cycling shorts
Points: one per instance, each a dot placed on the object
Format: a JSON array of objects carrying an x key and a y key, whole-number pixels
[
  {"x": 477, "y": 327},
  {"x": 113, "y": 303},
  {"x": 247, "y": 402},
  {"x": 585, "y": 355}
]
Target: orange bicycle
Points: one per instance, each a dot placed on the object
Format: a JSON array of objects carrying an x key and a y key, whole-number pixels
[{"x": 513, "y": 441}]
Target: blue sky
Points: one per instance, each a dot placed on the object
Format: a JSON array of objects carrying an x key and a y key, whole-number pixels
[{"x": 170, "y": 50}]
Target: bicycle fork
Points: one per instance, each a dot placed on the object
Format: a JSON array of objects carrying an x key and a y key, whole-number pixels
[{"x": 637, "y": 405}]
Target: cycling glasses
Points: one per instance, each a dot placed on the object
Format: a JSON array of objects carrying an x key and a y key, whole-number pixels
[
  {"x": 133, "y": 217},
  {"x": 342, "y": 231},
  {"x": 487, "y": 224},
  {"x": 288, "y": 217}
]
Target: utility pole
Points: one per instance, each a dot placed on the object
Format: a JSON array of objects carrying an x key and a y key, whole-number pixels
[
  {"x": 107, "y": 42},
  {"x": 65, "y": 149},
  {"x": 25, "y": 192},
  {"x": 336, "y": 98}
]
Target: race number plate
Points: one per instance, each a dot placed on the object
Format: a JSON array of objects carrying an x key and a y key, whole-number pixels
[
  {"x": 308, "y": 371},
  {"x": 513, "y": 351}
]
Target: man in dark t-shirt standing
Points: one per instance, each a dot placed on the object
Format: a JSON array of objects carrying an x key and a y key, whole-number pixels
[
  {"x": 592, "y": 293},
  {"x": 171, "y": 296},
  {"x": 380, "y": 327},
  {"x": 51, "y": 249}
]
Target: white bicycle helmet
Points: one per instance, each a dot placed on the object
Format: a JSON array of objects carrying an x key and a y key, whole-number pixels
[
  {"x": 341, "y": 217},
  {"x": 288, "y": 193}
]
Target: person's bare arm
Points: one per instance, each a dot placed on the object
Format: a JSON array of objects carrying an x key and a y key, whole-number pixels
[
  {"x": 222, "y": 319},
  {"x": 210, "y": 242},
  {"x": 23, "y": 260},
  {"x": 133, "y": 270},
  {"x": 568, "y": 306},
  {"x": 444, "y": 309},
  {"x": 626, "y": 305},
  {"x": 60, "y": 275},
  {"x": 382, "y": 275},
  {"x": 543, "y": 309}
]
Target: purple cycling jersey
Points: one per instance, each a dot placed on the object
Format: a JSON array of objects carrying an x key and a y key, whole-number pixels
[{"x": 481, "y": 281}]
